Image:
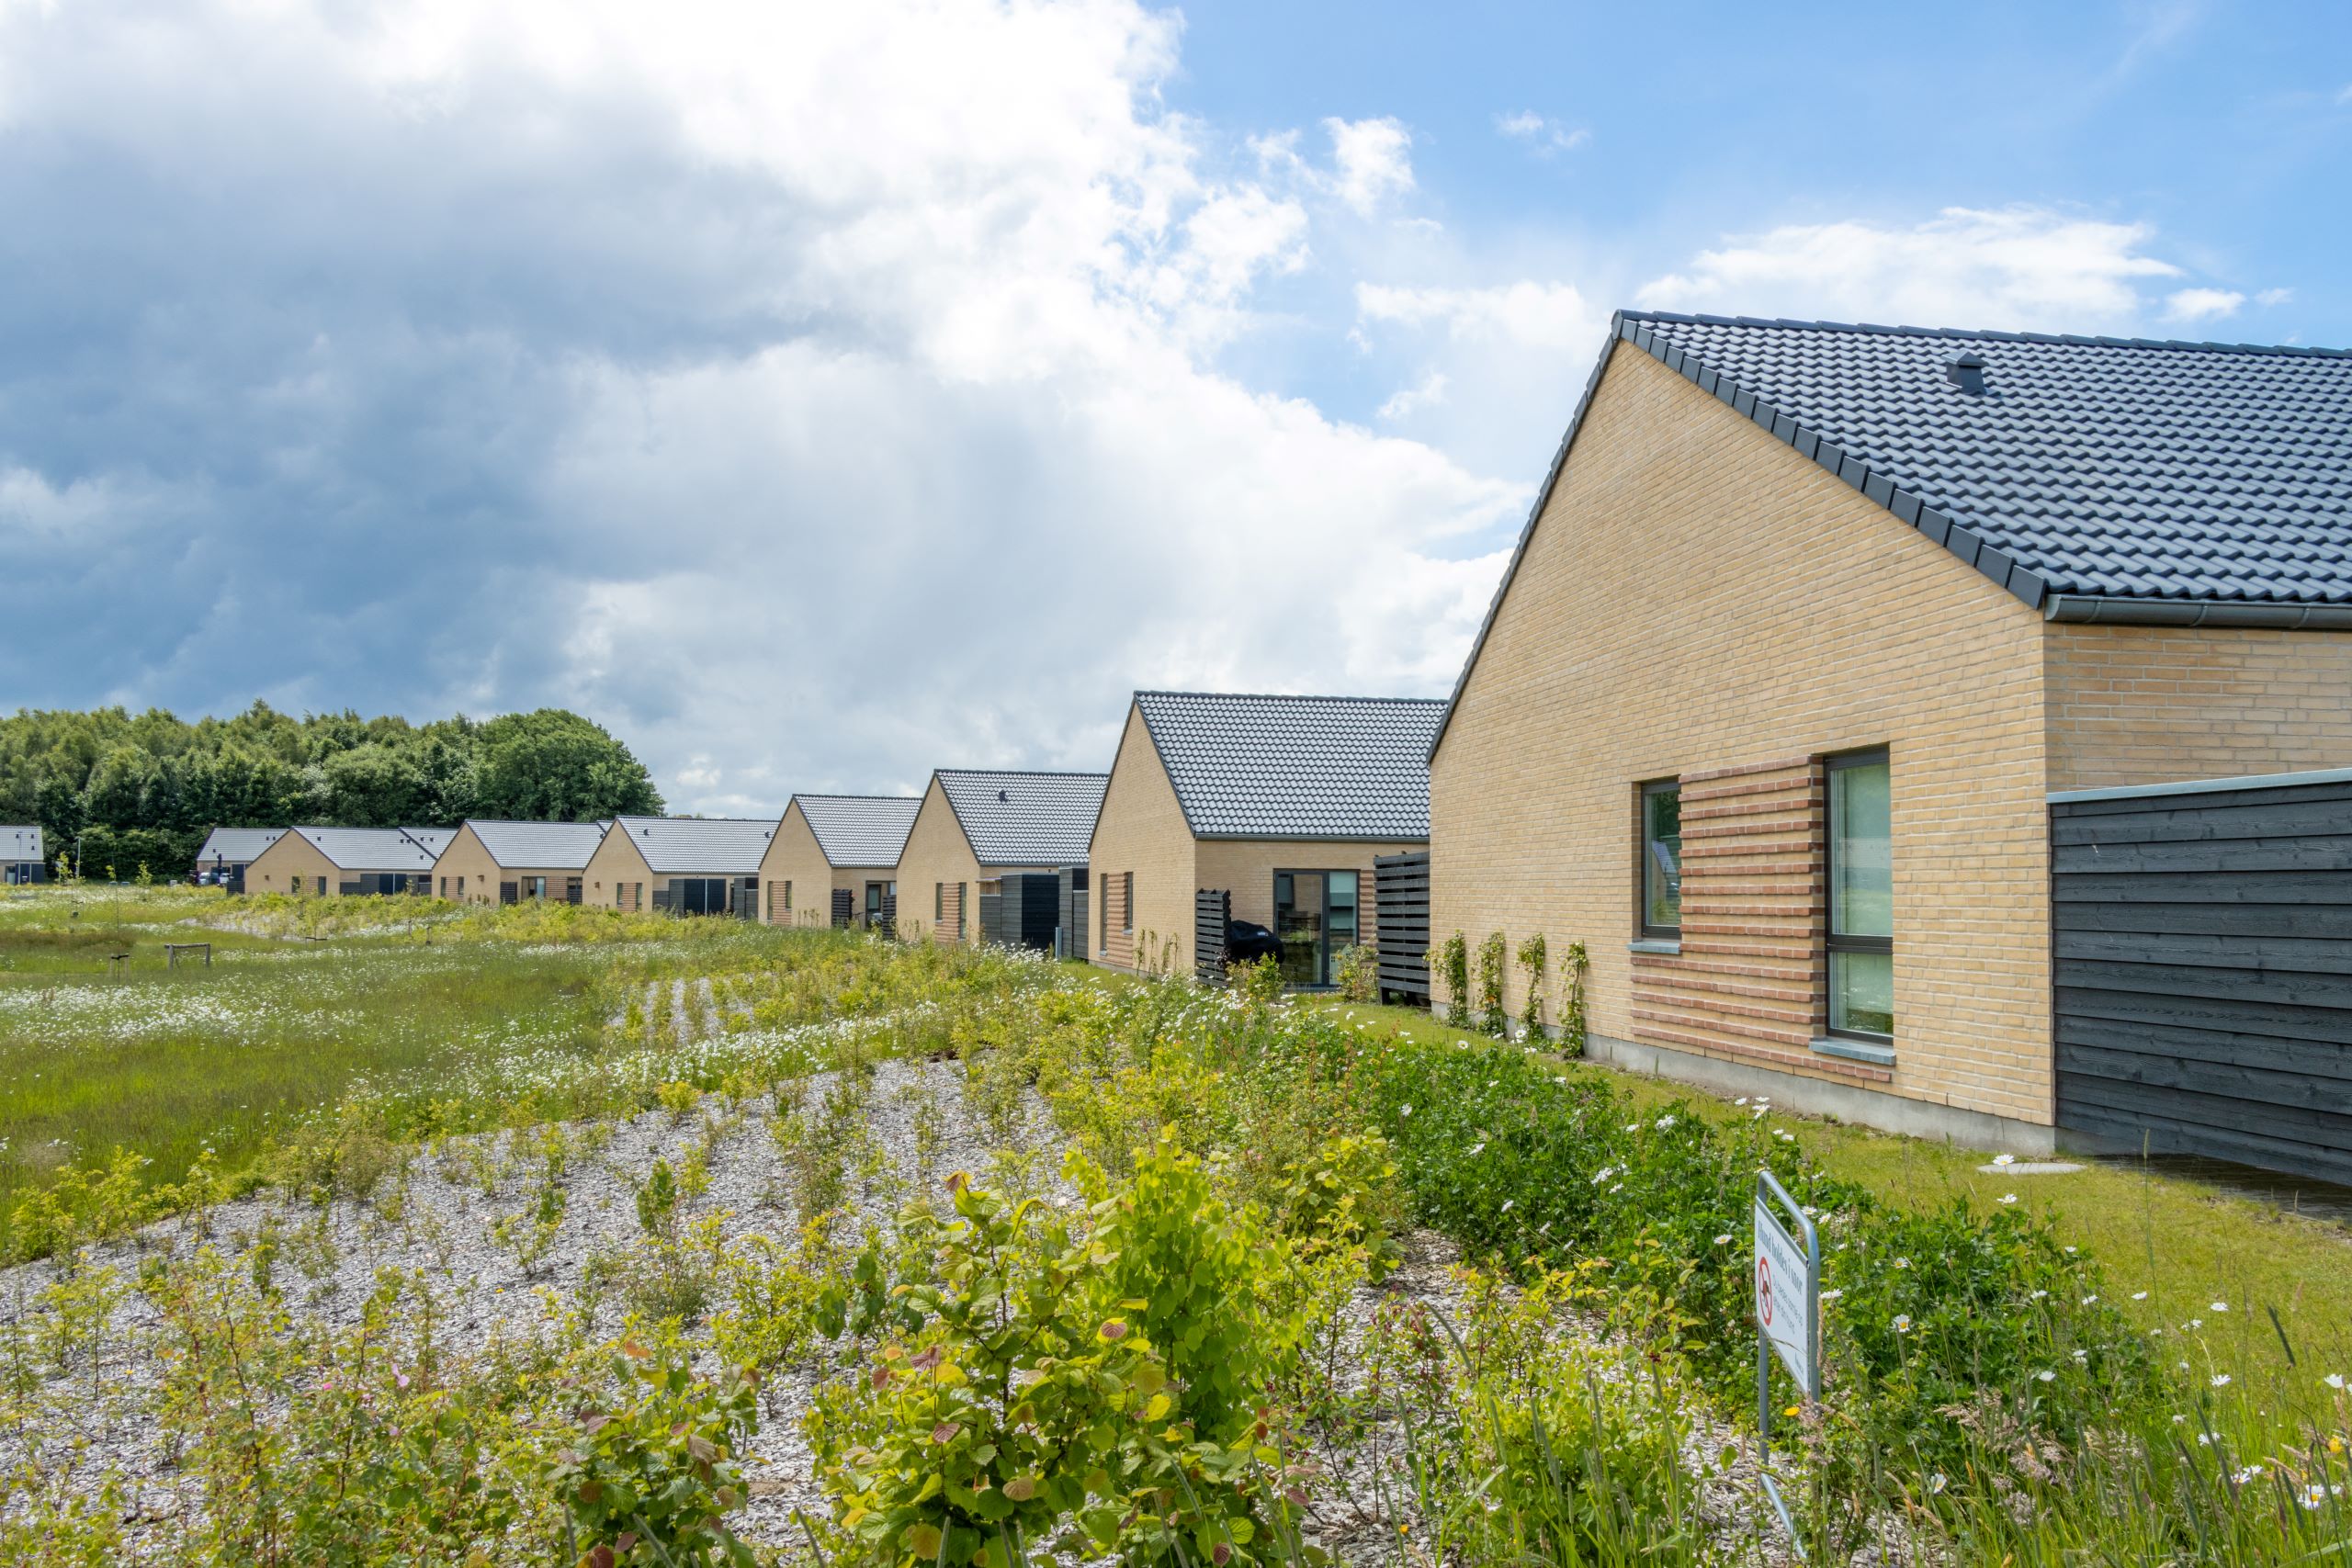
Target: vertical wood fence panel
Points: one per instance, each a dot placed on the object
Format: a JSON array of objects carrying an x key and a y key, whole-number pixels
[{"x": 1400, "y": 913}]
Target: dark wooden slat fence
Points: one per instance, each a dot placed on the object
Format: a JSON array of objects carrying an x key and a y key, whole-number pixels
[
  {"x": 2201, "y": 967},
  {"x": 1076, "y": 936},
  {"x": 1401, "y": 914},
  {"x": 1211, "y": 912}
]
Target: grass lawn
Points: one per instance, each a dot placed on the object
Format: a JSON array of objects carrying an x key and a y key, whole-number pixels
[{"x": 2186, "y": 1245}]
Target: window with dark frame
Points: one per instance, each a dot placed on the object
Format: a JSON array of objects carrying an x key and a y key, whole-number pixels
[
  {"x": 1128, "y": 902},
  {"x": 1103, "y": 913},
  {"x": 1861, "y": 929},
  {"x": 961, "y": 898},
  {"x": 1660, "y": 915}
]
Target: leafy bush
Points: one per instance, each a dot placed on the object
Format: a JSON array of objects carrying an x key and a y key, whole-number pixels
[
  {"x": 1450, "y": 967},
  {"x": 1531, "y": 959},
  {"x": 1355, "y": 969},
  {"x": 1575, "y": 1020},
  {"x": 649, "y": 1471},
  {"x": 1492, "y": 1019},
  {"x": 1015, "y": 1403}
]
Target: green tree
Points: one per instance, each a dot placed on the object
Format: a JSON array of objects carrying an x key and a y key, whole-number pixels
[
  {"x": 555, "y": 764},
  {"x": 374, "y": 785}
]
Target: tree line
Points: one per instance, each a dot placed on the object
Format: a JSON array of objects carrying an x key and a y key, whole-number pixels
[{"x": 112, "y": 789}]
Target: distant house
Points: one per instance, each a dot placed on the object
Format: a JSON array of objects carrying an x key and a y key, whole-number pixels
[
  {"x": 316, "y": 862},
  {"x": 22, "y": 857},
  {"x": 491, "y": 861},
  {"x": 690, "y": 865},
  {"x": 1279, "y": 802},
  {"x": 1808, "y": 624},
  {"x": 834, "y": 860},
  {"x": 228, "y": 850},
  {"x": 977, "y": 827}
]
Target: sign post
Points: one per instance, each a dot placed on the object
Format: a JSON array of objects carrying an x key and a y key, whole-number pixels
[{"x": 1788, "y": 1317}]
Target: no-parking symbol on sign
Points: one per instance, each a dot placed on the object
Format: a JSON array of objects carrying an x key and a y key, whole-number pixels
[{"x": 1785, "y": 1290}]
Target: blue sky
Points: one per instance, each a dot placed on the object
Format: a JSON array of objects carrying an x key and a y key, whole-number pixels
[{"x": 818, "y": 394}]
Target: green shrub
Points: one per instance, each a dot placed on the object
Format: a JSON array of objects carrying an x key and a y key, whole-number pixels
[
  {"x": 647, "y": 1472},
  {"x": 1450, "y": 967},
  {"x": 1531, "y": 960},
  {"x": 1004, "y": 1409},
  {"x": 1492, "y": 1017}
]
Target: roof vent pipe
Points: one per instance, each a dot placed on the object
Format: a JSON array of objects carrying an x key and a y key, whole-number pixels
[{"x": 1966, "y": 371}]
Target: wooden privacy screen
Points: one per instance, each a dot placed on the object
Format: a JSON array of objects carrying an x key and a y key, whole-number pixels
[{"x": 2202, "y": 956}]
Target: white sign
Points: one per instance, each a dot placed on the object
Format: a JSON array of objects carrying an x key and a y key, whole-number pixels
[{"x": 1783, "y": 1295}]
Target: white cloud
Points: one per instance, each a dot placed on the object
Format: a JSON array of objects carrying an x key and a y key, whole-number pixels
[
  {"x": 2344, "y": 93},
  {"x": 2201, "y": 304},
  {"x": 2018, "y": 268},
  {"x": 1537, "y": 315},
  {"x": 1547, "y": 135},
  {"x": 1407, "y": 401},
  {"x": 1373, "y": 159},
  {"x": 815, "y": 395},
  {"x": 2275, "y": 297}
]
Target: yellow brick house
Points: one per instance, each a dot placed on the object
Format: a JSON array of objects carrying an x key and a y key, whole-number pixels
[
  {"x": 320, "y": 861},
  {"x": 688, "y": 865},
  {"x": 836, "y": 855},
  {"x": 491, "y": 862},
  {"x": 977, "y": 827},
  {"x": 1808, "y": 623},
  {"x": 1279, "y": 802}
]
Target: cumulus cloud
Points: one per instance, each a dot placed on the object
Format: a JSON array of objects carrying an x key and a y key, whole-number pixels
[
  {"x": 1372, "y": 160},
  {"x": 1538, "y": 315},
  {"x": 2201, "y": 304},
  {"x": 1405, "y": 401},
  {"x": 817, "y": 395},
  {"x": 2018, "y": 268},
  {"x": 1546, "y": 135}
]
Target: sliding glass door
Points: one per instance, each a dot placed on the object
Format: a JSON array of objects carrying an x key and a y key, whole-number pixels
[{"x": 1314, "y": 919}]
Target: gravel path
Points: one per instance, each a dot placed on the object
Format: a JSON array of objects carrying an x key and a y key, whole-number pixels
[{"x": 441, "y": 1213}]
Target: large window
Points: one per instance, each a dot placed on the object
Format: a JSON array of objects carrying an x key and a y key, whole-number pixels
[
  {"x": 1314, "y": 919},
  {"x": 1661, "y": 883},
  {"x": 1861, "y": 897}
]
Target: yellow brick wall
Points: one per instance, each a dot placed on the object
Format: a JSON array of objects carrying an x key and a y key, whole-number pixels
[
  {"x": 1695, "y": 597},
  {"x": 794, "y": 856},
  {"x": 1141, "y": 830},
  {"x": 292, "y": 864},
  {"x": 1245, "y": 867},
  {"x": 937, "y": 853},
  {"x": 616, "y": 871},
  {"x": 470, "y": 858},
  {"x": 2152, "y": 704}
]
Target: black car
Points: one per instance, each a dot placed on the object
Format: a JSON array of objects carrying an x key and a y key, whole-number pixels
[{"x": 1245, "y": 941}]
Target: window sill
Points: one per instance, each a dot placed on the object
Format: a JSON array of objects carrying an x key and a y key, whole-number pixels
[
  {"x": 1658, "y": 946},
  {"x": 1856, "y": 1050}
]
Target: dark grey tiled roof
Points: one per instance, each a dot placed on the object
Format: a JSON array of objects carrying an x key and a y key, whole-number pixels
[
  {"x": 2096, "y": 478},
  {"x": 373, "y": 849},
  {"x": 2086, "y": 466},
  {"x": 1017, "y": 819},
  {"x": 528, "y": 846},
  {"x": 233, "y": 846},
  {"x": 20, "y": 842},
  {"x": 1275, "y": 767},
  {"x": 711, "y": 846},
  {"x": 859, "y": 829},
  {"x": 433, "y": 841}
]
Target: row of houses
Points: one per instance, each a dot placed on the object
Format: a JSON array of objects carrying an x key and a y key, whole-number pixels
[{"x": 1949, "y": 731}]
